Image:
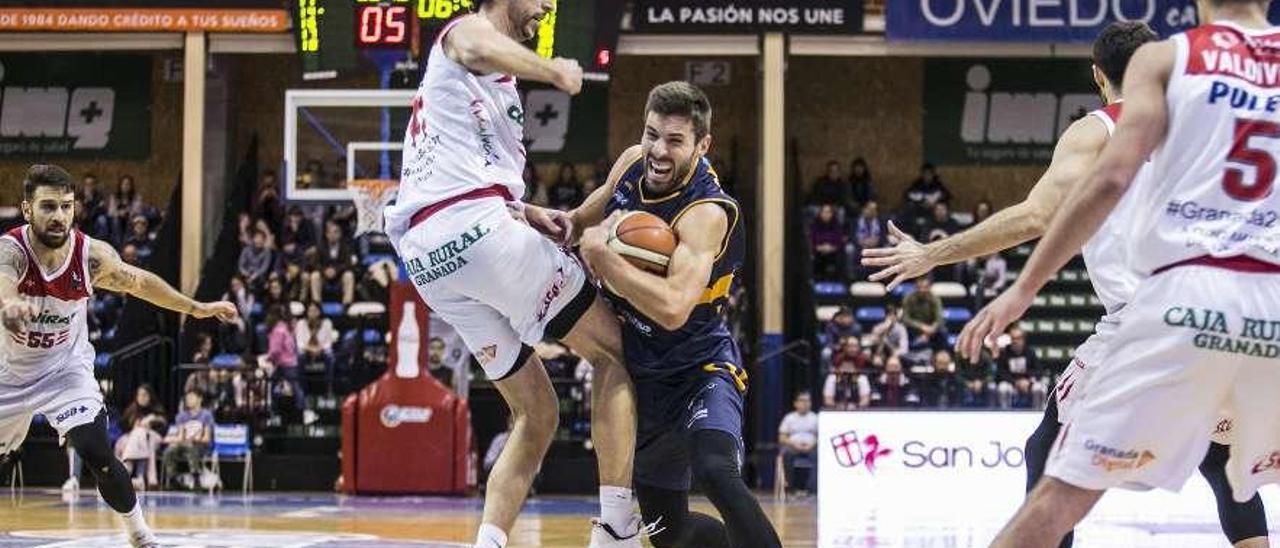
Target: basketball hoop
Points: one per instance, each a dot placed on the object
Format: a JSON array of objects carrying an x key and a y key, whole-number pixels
[{"x": 370, "y": 197}]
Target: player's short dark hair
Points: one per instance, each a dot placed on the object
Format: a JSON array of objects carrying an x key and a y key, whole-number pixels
[
  {"x": 46, "y": 175},
  {"x": 1115, "y": 46},
  {"x": 682, "y": 99}
]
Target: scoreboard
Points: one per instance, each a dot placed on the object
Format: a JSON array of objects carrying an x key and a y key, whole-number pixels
[{"x": 338, "y": 36}]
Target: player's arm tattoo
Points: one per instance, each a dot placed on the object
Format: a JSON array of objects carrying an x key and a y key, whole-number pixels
[{"x": 108, "y": 271}]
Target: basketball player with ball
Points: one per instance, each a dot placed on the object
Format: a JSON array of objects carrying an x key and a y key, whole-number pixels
[
  {"x": 497, "y": 281},
  {"x": 667, "y": 255}
]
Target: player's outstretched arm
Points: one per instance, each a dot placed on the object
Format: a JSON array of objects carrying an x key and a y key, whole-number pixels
[
  {"x": 108, "y": 271},
  {"x": 14, "y": 311},
  {"x": 474, "y": 43},
  {"x": 1076, "y": 152},
  {"x": 669, "y": 300},
  {"x": 1140, "y": 130}
]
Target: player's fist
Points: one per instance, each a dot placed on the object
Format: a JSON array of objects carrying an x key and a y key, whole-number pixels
[
  {"x": 16, "y": 313},
  {"x": 222, "y": 310},
  {"x": 568, "y": 75}
]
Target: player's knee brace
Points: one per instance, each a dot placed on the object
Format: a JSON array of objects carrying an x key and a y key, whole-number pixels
[
  {"x": 90, "y": 442},
  {"x": 1240, "y": 520}
]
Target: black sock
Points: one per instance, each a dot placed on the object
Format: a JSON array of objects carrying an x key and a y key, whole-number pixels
[
  {"x": 90, "y": 442},
  {"x": 714, "y": 455}
]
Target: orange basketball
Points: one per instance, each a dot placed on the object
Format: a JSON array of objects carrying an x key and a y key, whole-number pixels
[{"x": 645, "y": 240}]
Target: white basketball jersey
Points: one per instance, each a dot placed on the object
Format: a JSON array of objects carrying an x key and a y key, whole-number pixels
[
  {"x": 1114, "y": 280},
  {"x": 465, "y": 133},
  {"x": 1210, "y": 191},
  {"x": 59, "y": 334}
]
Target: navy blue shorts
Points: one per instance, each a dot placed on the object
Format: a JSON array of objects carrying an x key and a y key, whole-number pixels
[{"x": 672, "y": 409}]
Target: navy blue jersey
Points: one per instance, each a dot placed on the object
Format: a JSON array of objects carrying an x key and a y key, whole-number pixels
[{"x": 704, "y": 342}]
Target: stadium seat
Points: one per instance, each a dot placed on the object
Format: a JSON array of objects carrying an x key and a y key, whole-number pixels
[
  {"x": 231, "y": 442},
  {"x": 331, "y": 310},
  {"x": 256, "y": 310},
  {"x": 376, "y": 257},
  {"x": 957, "y": 314},
  {"x": 949, "y": 290},
  {"x": 366, "y": 308},
  {"x": 297, "y": 309},
  {"x": 825, "y": 313},
  {"x": 829, "y": 289},
  {"x": 102, "y": 360},
  {"x": 227, "y": 360},
  {"x": 867, "y": 290},
  {"x": 951, "y": 340},
  {"x": 870, "y": 314},
  {"x": 904, "y": 289},
  {"x": 374, "y": 337}
]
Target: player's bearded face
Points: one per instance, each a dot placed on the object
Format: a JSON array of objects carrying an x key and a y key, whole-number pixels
[
  {"x": 526, "y": 15},
  {"x": 670, "y": 150},
  {"x": 50, "y": 211}
]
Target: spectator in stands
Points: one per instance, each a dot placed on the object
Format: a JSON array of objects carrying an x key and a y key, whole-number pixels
[
  {"x": 534, "y": 193},
  {"x": 566, "y": 193},
  {"x": 861, "y": 187},
  {"x": 296, "y": 281},
  {"x": 245, "y": 225},
  {"x": 600, "y": 173},
  {"x": 1020, "y": 379},
  {"x": 275, "y": 294},
  {"x": 981, "y": 212},
  {"x": 435, "y": 362},
  {"x": 831, "y": 188},
  {"x": 922, "y": 314},
  {"x": 840, "y": 327},
  {"x": 827, "y": 239},
  {"x": 868, "y": 233},
  {"x": 201, "y": 380},
  {"x": 990, "y": 279},
  {"x": 239, "y": 293},
  {"x": 140, "y": 237},
  {"x": 233, "y": 336},
  {"x": 282, "y": 352},
  {"x": 96, "y": 221},
  {"x": 940, "y": 224},
  {"x": 255, "y": 260},
  {"x": 203, "y": 352},
  {"x": 267, "y": 208},
  {"x": 123, "y": 206},
  {"x": 890, "y": 337},
  {"x": 190, "y": 441},
  {"x": 129, "y": 254},
  {"x": 335, "y": 279},
  {"x": 925, "y": 191},
  {"x": 143, "y": 423},
  {"x": 850, "y": 352},
  {"x": 296, "y": 237},
  {"x": 893, "y": 388},
  {"x": 798, "y": 442},
  {"x": 315, "y": 336},
  {"x": 846, "y": 387},
  {"x": 949, "y": 385}
]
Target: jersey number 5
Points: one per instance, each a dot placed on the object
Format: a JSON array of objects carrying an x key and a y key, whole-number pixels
[{"x": 1262, "y": 161}]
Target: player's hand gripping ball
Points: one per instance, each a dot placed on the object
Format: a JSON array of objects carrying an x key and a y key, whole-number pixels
[{"x": 644, "y": 240}]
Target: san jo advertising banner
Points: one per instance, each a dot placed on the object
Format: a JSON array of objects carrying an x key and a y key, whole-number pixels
[
  {"x": 75, "y": 105},
  {"x": 954, "y": 478},
  {"x": 748, "y": 16},
  {"x": 985, "y": 111}
]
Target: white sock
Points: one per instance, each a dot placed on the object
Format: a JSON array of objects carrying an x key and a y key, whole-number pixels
[
  {"x": 490, "y": 536},
  {"x": 134, "y": 521},
  {"x": 616, "y": 509}
]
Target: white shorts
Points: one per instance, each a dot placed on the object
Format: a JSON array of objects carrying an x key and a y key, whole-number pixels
[
  {"x": 67, "y": 397},
  {"x": 1078, "y": 375},
  {"x": 1194, "y": 346},
  {"x": 497, "y": 281}
]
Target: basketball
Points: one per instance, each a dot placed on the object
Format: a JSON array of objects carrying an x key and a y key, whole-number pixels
[{"x": 645, "y": 240}]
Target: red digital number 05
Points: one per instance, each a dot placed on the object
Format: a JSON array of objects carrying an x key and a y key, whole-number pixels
[{"x": 1262, "y": 161}]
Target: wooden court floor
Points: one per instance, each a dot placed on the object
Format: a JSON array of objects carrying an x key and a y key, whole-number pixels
[{"x": 47, "y": 518}]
